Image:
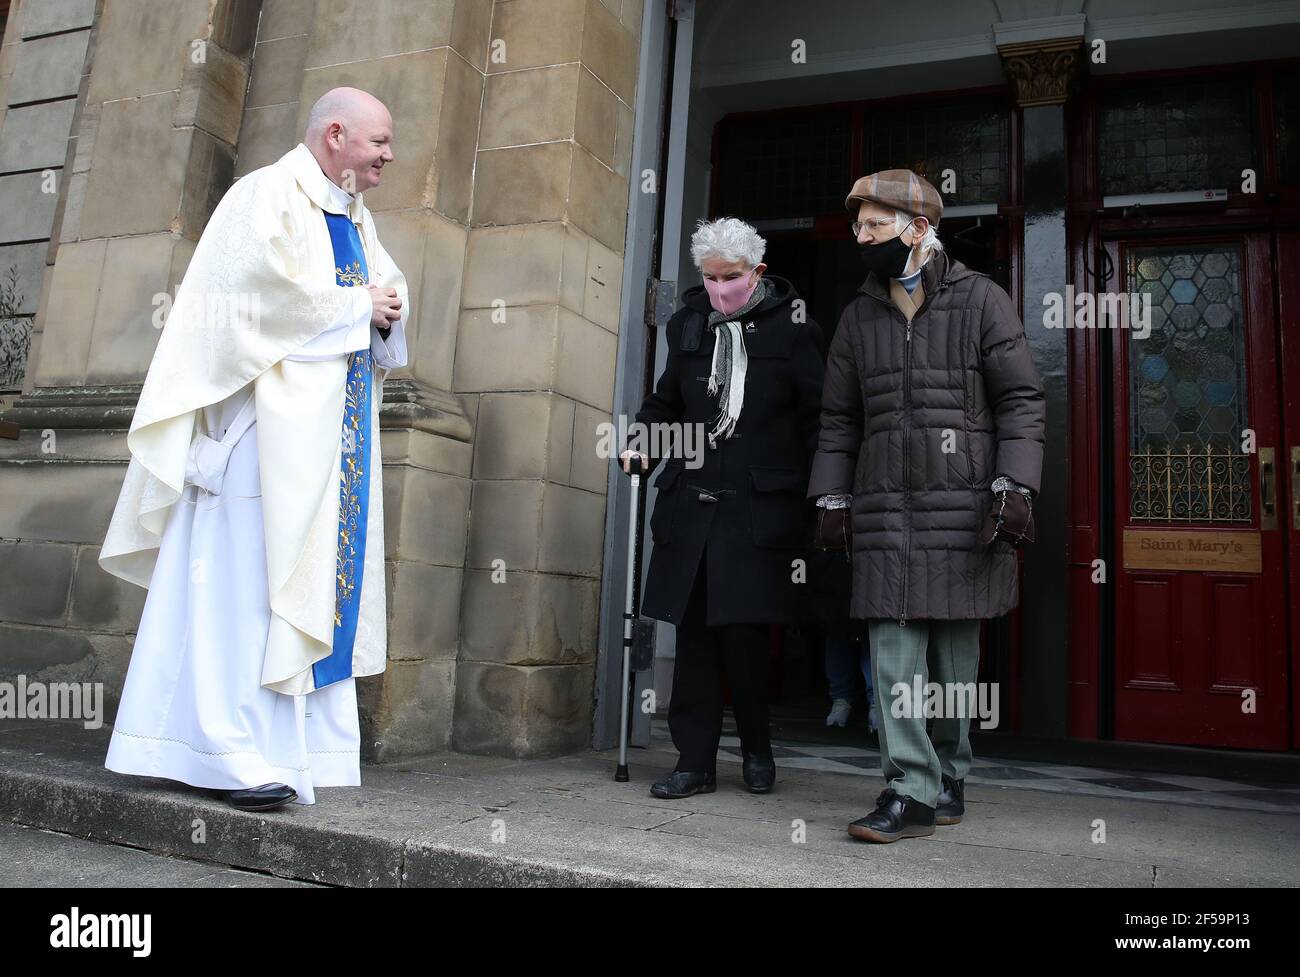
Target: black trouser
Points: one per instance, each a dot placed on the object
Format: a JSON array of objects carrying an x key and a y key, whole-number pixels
[{"x": 704, "y": 655}]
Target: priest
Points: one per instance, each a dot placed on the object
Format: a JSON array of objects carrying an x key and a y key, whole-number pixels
[{"x": 252, "y": 508}]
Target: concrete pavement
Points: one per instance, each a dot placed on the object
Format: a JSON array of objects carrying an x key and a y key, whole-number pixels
[{"x": 453, "y": 819}]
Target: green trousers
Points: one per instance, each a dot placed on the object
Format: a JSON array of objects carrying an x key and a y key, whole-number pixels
[{"x": 943, "y": 652}]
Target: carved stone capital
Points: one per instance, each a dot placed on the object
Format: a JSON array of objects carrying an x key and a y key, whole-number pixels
[{"x": 1043, "y": 72}]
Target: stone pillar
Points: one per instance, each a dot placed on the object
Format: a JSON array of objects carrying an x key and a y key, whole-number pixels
[
  {"x": 1042, "y": 71},
  {"x": 153, "y": 126},
  {"x": 535, "y": 364}
]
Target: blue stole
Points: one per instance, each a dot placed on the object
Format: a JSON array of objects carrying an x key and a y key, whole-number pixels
[{"x": 354, "y": 474}]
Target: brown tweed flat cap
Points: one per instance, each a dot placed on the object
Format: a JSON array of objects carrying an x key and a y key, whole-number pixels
[{"x": 898, "y": 189}]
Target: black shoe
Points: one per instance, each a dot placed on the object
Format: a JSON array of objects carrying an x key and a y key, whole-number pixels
[
  {"x": 264, "y": 798},
  {"x": 952, "y": 802},
  {"x": 759, "y": 772},
  {"x": 682, "y": 783},
  {"x": 896, "y": 816}
]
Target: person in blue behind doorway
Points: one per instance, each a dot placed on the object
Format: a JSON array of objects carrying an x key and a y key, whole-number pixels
[{"x": 930, "y": 454}]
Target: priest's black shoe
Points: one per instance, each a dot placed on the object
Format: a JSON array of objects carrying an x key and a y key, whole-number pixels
[
  {"x": 951, "y": 805},
  {"x": 683, "y": 783},
  {"x": 759, "y": 772},
  {"x": 896, "y": 816},
  {"x": 264, "y": 798}
]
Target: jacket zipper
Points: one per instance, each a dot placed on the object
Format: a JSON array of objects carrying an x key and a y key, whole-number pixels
[
  {"x": 907, "y": 470},
  {"x": 907, "y": 453}
]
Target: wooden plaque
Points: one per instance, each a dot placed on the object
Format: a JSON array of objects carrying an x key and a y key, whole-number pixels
[{"x": 1219, "y": 550}]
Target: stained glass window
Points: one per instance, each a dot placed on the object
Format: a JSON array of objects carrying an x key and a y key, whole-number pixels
[
  {"x": 969, "y": 138},
  {"x": 1191, "y": 134},
  {"x": 786, "y": 165},
  {"x": 1187, "y": 384}
]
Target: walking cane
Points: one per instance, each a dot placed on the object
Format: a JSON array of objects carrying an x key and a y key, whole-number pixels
[{"x": 630, "y": 608}]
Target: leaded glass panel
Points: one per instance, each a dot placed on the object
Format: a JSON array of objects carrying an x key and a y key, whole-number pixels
[
  {"x": 1187, "y": 386},
  {"x": 1190, "y": 134},
  {"x": 970, "y": 138},
  {"x": 786, "y": 165}
]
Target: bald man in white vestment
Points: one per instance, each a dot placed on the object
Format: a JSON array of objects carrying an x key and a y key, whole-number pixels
[{"x": 252, "y": 508}]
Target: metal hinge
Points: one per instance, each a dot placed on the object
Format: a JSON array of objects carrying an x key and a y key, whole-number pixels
[{"x": 660, "y": 302}]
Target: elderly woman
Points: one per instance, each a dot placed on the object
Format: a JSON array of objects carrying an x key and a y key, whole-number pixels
[{"x": 730, "y": 528}]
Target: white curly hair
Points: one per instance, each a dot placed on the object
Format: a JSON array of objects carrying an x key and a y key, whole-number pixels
[{"x": 729, "y": 239}]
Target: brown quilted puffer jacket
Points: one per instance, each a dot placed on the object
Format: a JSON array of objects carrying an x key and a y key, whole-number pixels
[{"x": 896, "y": 395}]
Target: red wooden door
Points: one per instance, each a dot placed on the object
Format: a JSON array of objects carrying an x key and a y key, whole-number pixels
[{"x": 1201, "y": 642}]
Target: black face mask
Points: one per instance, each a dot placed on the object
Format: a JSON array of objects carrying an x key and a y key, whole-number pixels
[{"x": 888, "y": 258}]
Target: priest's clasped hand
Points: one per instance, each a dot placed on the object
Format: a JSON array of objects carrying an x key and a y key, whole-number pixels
[{"x": 387, "y": 307}]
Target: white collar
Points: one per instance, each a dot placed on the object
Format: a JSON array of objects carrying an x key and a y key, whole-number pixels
[
  {"x": 320, "y": 189},
  {"x": 340, "y": 198}
]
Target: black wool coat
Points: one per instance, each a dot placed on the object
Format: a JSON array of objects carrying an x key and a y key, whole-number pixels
[
  {"x": 917, "y": 421},
  {"x": 749, "y": 539}
]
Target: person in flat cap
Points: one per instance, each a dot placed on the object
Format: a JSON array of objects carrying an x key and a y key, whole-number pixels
[{"x": 928, "y": 461}]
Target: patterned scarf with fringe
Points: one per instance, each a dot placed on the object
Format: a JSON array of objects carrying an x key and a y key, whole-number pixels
[{"x": 730, "y": 362}]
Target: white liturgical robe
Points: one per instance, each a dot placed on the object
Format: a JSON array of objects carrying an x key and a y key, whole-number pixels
[{"x": 220, "y": 692}]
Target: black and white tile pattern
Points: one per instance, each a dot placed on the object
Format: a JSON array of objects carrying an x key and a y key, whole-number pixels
[{"x": 1028, "y": 775}]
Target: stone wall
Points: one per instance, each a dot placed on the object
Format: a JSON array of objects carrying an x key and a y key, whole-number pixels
[{"x": 144, "y": 144}]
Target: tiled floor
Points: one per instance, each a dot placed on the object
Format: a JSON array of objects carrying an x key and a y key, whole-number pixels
[{"x": 1178, "y": 788}]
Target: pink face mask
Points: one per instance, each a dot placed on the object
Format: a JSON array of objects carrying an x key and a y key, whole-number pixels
[{"x": 729, "y": 296}]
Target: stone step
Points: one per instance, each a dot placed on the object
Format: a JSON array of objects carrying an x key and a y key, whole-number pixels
[{"x": 380, "y": 838}]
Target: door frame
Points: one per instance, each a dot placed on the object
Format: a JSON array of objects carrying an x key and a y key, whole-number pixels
[
  {"x": 1274, "y": 207},
  {"x": 1092, "y": 477},
  {"x": 658, "y": 147},
  {"x": 1264, "y": 410}
]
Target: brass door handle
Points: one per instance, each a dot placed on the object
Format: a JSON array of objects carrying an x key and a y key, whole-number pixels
[
  {"x": 1267, "y": 490},
  {"x": 1295, "y": 488}
]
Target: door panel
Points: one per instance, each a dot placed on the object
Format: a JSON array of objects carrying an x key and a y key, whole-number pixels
[{"x": 1201, "y": 582}]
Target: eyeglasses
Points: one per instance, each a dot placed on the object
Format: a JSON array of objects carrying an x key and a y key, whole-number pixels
[{"x": 875, "y": 223}]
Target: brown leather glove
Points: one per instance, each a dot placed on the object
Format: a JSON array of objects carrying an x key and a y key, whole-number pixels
[
  {"x": 833, "y": 529},
  {"x": 1011, "y": 520}
]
